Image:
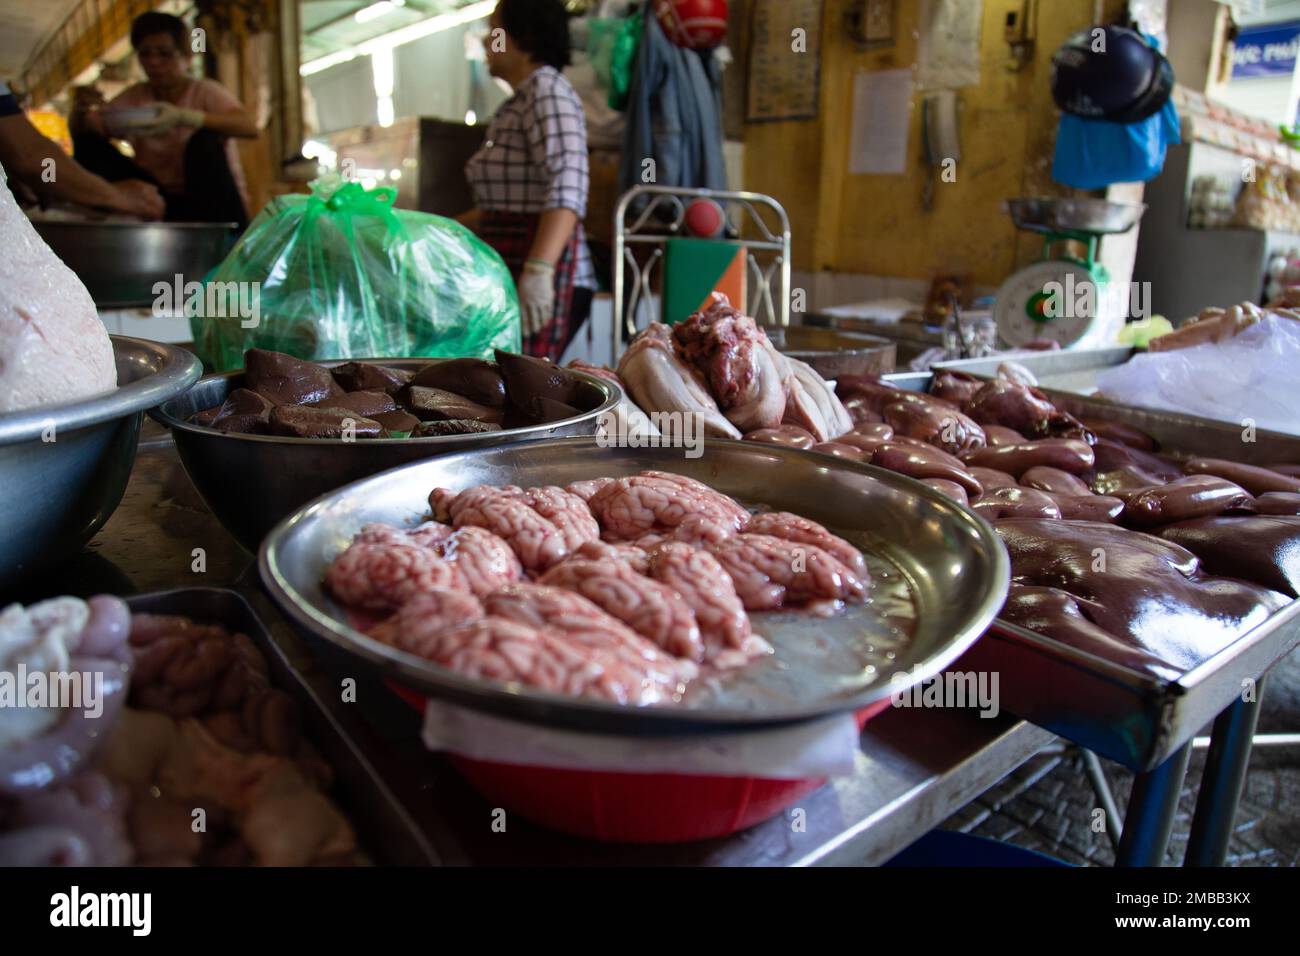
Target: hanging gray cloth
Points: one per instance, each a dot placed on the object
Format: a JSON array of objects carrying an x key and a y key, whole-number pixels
[{"x": 674, "y": 116}]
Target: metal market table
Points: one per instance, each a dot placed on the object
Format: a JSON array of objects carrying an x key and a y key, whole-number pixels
[{"x": 914, "y": 769}]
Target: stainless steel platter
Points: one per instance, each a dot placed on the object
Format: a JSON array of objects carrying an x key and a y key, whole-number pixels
[
  {"x": 1119, "y": 713},
  {"x": 253, "y": 481},
  {"x": 1067, "y": 370},
  {"x": 387, "y": 832},
  {"x": 65, "y": 467},
  {"x": 941, "y": 574}
]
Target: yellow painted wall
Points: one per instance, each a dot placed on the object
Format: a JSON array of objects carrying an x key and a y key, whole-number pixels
[{"x": 876, "y": 224}]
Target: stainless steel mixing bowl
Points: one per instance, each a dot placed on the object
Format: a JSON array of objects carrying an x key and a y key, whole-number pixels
[
  {"x": 252, "y": 481},
  {"x": 64, "y": 468},
  {"x": 833, "y": 353},
  {"x": 119, "y": 262},
  {"x": 1051, "y": 214}
]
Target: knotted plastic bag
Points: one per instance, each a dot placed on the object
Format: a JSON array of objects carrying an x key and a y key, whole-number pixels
[
  {"x": 1093, "y": 154},
  {"x": 612, "y": 45},
  {"x": 343, "y": 274}
]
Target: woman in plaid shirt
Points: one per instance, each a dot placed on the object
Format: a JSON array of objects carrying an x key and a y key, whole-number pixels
[{"x": 530, "y": 178}]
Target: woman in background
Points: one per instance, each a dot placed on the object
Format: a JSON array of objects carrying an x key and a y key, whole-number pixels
[
  {"x": 530, "y": 178},
  {"x": 187, "y": 150},
  {"x": 27, "y": 156}
]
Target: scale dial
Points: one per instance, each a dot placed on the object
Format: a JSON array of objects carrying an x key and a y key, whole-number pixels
[{"x": 1021, "y": 309}]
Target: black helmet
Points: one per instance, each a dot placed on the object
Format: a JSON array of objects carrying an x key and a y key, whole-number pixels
[{"x": 1110, "y": 73}]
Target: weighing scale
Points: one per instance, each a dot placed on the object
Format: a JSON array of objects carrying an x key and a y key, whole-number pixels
[{"x": 1064, "y": 296}]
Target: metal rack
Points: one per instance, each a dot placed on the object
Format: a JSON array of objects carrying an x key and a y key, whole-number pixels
[{"x": 659, "y": 213}]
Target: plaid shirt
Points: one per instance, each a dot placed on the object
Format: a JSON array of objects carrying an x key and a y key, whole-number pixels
[{"x": 535, "y": 157}]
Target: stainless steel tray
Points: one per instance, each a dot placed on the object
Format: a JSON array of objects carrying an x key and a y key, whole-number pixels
[
  {"x": 1186, "y": 435},
  {"x": 1067, "y": 370},
  {"x": 1129, "y": 717},
  {"x": 941, "y": 574},
  {"x": 383, "y": 825}
]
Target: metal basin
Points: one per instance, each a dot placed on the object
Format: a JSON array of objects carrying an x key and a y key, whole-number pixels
[
  {"x": 59, "y": 493},
  {"x": 252, "y": 481},
  {"x": 940, "y": 575},
  {"x": 833, "y": 353},
  {"x": 1048, "y": 214},
  {"x": 120, "y": 262}
]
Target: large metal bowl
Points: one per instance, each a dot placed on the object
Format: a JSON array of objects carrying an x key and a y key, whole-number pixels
[
  {"x": 59, "y": 493},
  {"x": 119, "y": 262},
  {"x": 833, "y": 353},
  {"x": 253, "y": 481},
  {"x": 1051, "y": 214},
  {"x": 949, "y": 564}
]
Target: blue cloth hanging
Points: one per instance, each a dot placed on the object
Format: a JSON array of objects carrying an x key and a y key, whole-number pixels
[{"x": 1093, "y": 154}]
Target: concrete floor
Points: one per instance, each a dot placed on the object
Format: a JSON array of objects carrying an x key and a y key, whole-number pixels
[{"x": 1047, "y": 805}]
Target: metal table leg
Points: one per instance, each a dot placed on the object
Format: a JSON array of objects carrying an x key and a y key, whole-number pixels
[
  {"x": 1101, "y": 787},
  {"x": 1150, "y": 817},
  {"x": 1222, "y": 782}
]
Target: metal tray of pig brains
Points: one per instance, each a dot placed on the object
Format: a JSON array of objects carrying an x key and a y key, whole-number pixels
[
  {"x": 1133, "y": 718},
  {"x": 939, "y": 575},
  {"x": 384, "y": 828}
]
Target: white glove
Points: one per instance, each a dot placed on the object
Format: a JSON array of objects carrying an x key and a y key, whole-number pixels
[
  {"x": 536, "y": 295},
  {"x": 169, "y": 117}
]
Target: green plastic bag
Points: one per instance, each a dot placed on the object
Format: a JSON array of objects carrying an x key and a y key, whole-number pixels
[
  {"x": 343, "y": 274},
  {"x": 612, "y": 44},
  {"x": 602, "y": 32}
]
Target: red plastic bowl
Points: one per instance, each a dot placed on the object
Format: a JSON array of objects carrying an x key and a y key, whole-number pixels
[{"x": 619, "y": 807}]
